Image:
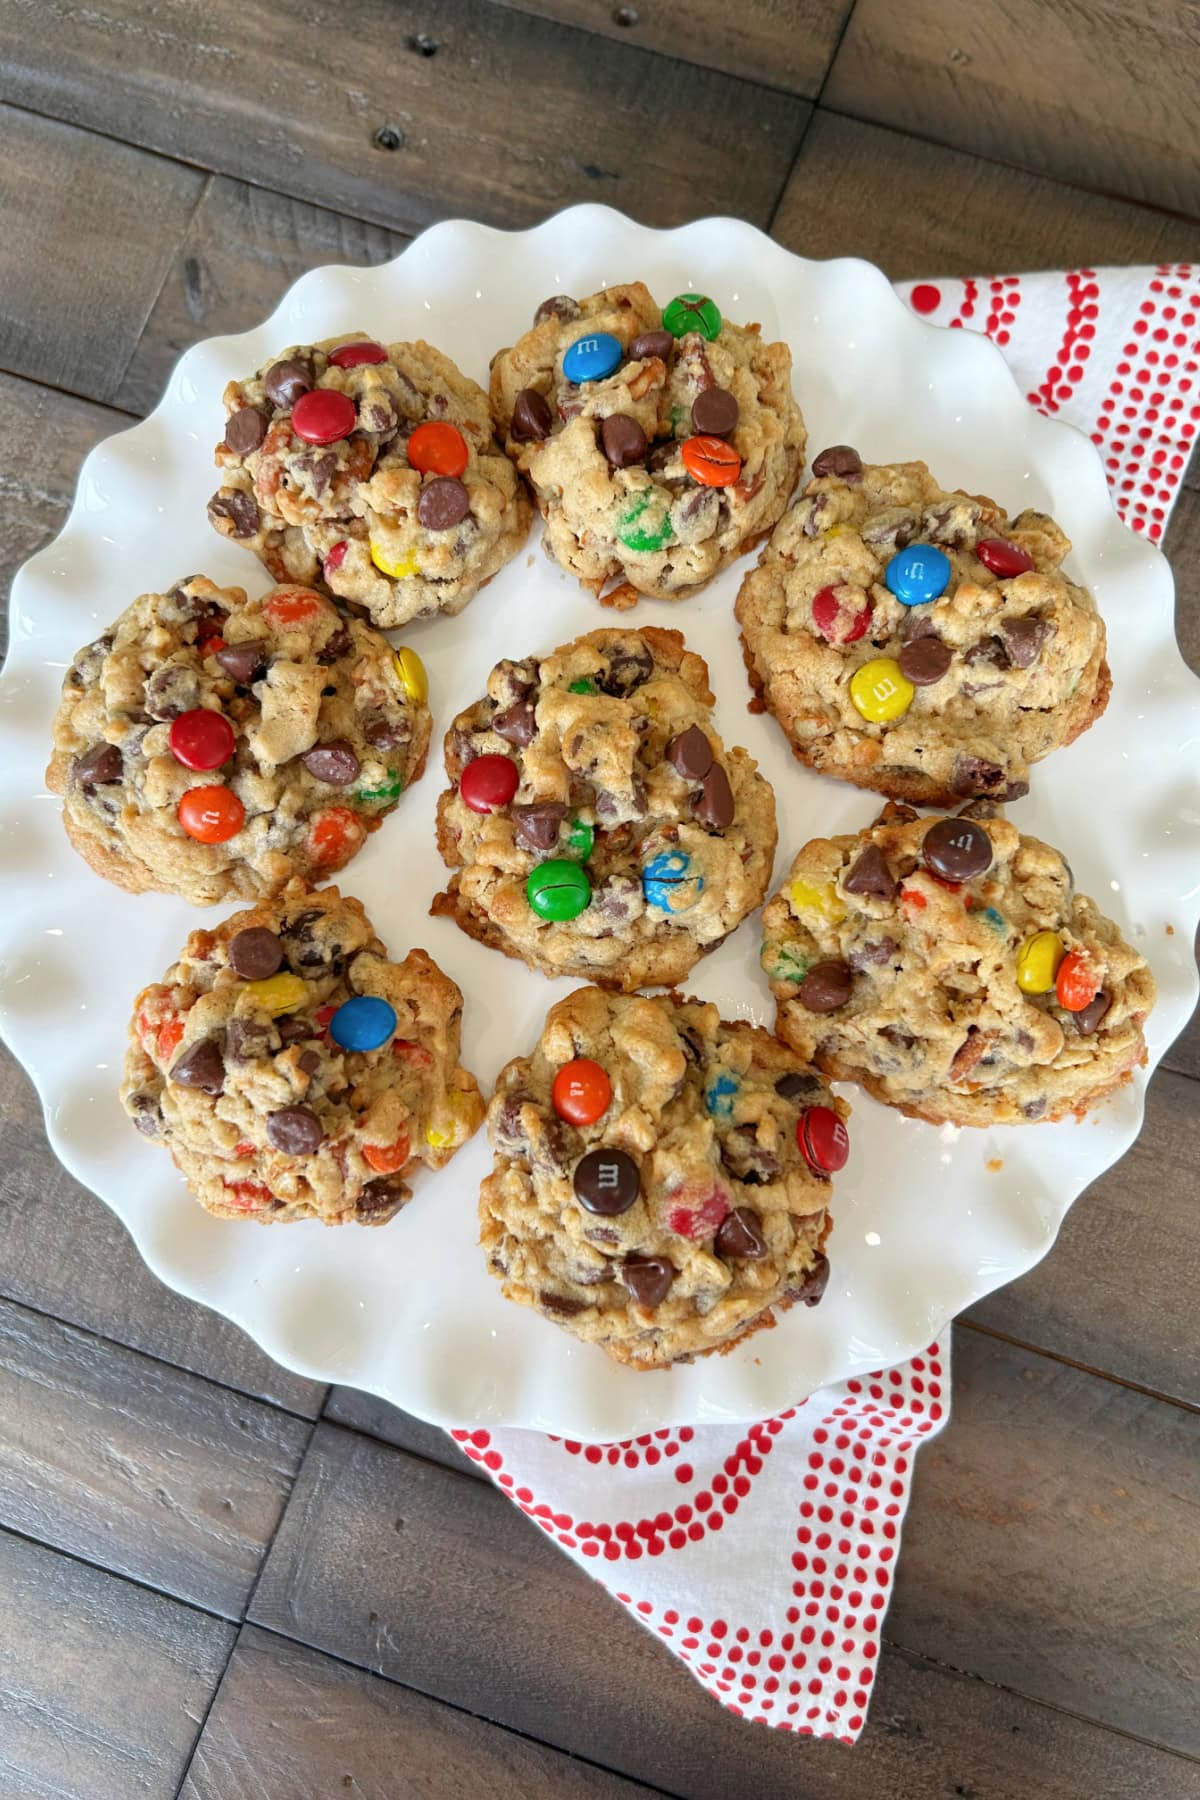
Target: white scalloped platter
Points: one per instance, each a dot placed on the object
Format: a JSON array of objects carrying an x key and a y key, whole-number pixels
[{"x": 926, "y": 1220}]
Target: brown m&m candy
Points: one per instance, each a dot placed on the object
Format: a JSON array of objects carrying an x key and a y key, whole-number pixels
[
  {"x": 607, "y": 1182},
  {"x": 956, "y": 849}
]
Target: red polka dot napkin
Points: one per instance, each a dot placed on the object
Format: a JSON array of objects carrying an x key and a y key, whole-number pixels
[{"x": 763, "y": 1555}]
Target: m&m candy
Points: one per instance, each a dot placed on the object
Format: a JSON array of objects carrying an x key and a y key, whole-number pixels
[
  {"x": 1077, "y": 982},
  {"x": 397, "y": 568},
  {"x": 581, "y": 1091},
  {"x": 335, "y": 556},
  {"x": 711, "y": 461},
  {"x": 211, "y": 815},
  {"x": 1005, "y": 560},
  {"x": 837, "y": 619},
  {"x": 592, "y": 358},
  {"x": 583, "y": 686},
  {"x": 438, "y": 449},
  {"x": 349, "y": 356},
  {"x": 362, "y": 1023},
  {"x": 411, "y": 670},
  {"x": 558, "y": 890},
  {"x": 607, "y": 1182},
  {"x": 719, "y": 1095},
  {"x": 880, "y": 691},
  {"x": 323, "y": 415},
  {"x": 201, "y": 739},
  {"x": 918, "y": 574},
  {"x": 823, "y": 1139},
  {"x": 692, "y": 312},
  {"x": 387, "y": 1159},
  {"x": 488, "y": 782},
  {"x": 278, "y": 994},
  {"x": 581, "y": 839},
  {"x": 667, "y": 882},
  {"x": 1038, "y": 962}
]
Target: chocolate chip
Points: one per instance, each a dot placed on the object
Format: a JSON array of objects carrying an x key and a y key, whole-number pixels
[
  {"x": 916, "y": 624},
  {"x": 651, "y": 343},
  {"x": 293, "y": 1030},
  {"x": 870, "y": 874},
  {"x": 245, "y": 430},
  {"x": 532, "y": 419},
  {"x": 536, "y": 827},
  {"x": 974, "y": 775},
  {"x": 334, "y": 763},
  {"x": 517, "y": 724},
  {"x": 97, "y": 767},
  {"x": 627, "y": 669},
  {"x": 255, "y": 953},
  {"x": 662, "y": 455},
  {"x": 378, "y": 1196},
  {"x": 714, "y": 412},
  {"x": 1093, "y": 1014},
  {"x": 238, "y": 508},
  {"x": 607, "y": 1182},
  {"x": 444, "y": 504},
  {"x": 741, "y": 1235},
  {"x": 201, "y": 1067},
  {"x": 795, "y": 1086},
  {"x": 248, "y": 1039},
  {"x": 286, "y": 381},
  {"x": 988, "y": 653},
  {"x": 310, "y": 1061},
  {"x": 1035, "y": 1109},
  {"x": 814, "y": 1283},
  {"x": 335, "y": 647},
  {"x": 925, "y": 660},
  {"x": 713, "y": 805},
  {"x": 747, "y": 1160},
  {"x": 295, "y": 1130},
  {"x": 1024, "y": 637},
  {"x": 147, "y": 1114},
  {"x": 560, "y": 1305},
  {"x": 839, "y": 460},
  {"x": 243, "y": 662},
  {"x": 827, "y": 986},
  {"x": 559, "y": 306},
  {"x": 648, "y": 1278},
  {"x": 623, "y": 440},
  {"x": 875, "y": 954},
  {"x": 957, "y": 849},
  {"x": 387, "y": 734},
  {"x": 690, "y": 754}
]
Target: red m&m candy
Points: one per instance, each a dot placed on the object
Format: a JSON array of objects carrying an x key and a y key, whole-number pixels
[
  {"x": 437, "y": 449},
  {"x": 823, "y": 1139},
  {"x": 323, "y": 415},
  {"x": 581, "y": 1091},
  {"x": 1002, "y": 558},
  {"x": 488, "y": 783},
  {"x": 836, "y": 621},
  {"x": 349, "y": 356},
  {"x": 201, "y": 739},
  {"x": 335, "y": 556}
]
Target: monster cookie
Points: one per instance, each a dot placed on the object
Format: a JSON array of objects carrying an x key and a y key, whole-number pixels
[
  {"x": 659, "y": 445},
  {"x": 916, "y": 641},
  {"x": 596, "y": 824},
  {"x": 370, "y": 468},
  {"x": 661, "y": 1178},
  {"x": 951, "y": 968},
  {"x": 214, "y": 747},
  {"x": 293, "y": 1072}
]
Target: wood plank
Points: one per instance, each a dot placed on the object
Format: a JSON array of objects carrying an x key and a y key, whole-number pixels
[
  {"x": 289, "y": 1722},
  {"x": 433, "y": 1579},
  {"x": 784, "y": 45},
  {"x": 369, "y": 1414},
  {"x": 48, "y": 1216},
  {"x": 1182, "y": 547},
  {"x": 89, "y": 230},
  {"x": 513, "y": 118},
  {"x": 1099, "y": 92},
  {"x": 102, "y": 1685},
  {"x": 244, "y": 246},
  {"x": 919, "y": 209},
  {"x": 133, "y": 1465}
]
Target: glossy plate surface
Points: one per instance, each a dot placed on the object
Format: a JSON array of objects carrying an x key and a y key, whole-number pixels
[{"x": 923, "y": 1225}]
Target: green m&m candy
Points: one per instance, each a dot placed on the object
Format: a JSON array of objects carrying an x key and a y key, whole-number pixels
[
  {"x": 581, "y": 839},
  {"x": 583, "y": 686},
  {"x": 692, "y": 312},
  {"x": 647, "y": 524},
  {"x": 391, "y": 790},
  {"x": 558, "y": 890}
]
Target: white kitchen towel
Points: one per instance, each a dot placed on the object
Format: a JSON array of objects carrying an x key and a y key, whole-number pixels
[{"x": 764, "y": 1555}]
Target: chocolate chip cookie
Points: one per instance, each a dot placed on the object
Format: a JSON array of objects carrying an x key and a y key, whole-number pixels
[
  {"x": 293, "y": 1072},
  {"x": 214, "y": 747},
  {"x": 660, "y": 445},
  {"x": 918, "y": 641},
  {"x": 370, "y": 469},
  {"x": 950, "y": 967},
  {"x": 661, "y": 1177},
  {"x": 596, "y": 824}
]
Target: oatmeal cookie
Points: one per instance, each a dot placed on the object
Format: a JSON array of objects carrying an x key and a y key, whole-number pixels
[
  {"x": 293, "y": 1072},
  {"x": 917, "y": 641},
  {"x": 661, "y": 1178},
  {"x": 660, "y": 446},
  {"x": 214, "y": 747},
  {"x": 596, "y": 824},
  {"x": 370, "y": 469},
  {"x": 950, "y": 967}
]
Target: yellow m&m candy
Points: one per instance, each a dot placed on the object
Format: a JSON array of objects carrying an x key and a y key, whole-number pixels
[
  {"x": 880, "y": 691},
  {"x": 816, "y": 899},
  {"x": 396, "y": 567},
  {"x": 447, "y": 1125},
  {"x": 1037, "y": 962},
  {"x": 279, "y": 993},
  {"x": 411, "y": 671}
]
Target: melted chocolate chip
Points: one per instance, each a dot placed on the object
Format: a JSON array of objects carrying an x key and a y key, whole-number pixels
[
  {"x": 974, "y": 775},
  {"x": 622, "y": 440},
  {"x": 715, "y": 412},
  {"x": 795, "y": 1086},
  {"x": 651, "y": 343},
  {"x": 97, "y": 767},
  {"x": 536, "y": 827},
  {"x": 532, "y": 419},
  {"x": 826, "y": 987},
  {"x": 378, "y": 1196},
  {"x": 245, "y": 430},
  {"x": 387, "y": 734},
  {"x": 243, "y": 662},
  {"x": 870, "y": 875},
  {"x": 925, "y": 660},
  {"x": 809, "y": 1290},
  {"x": 335, "y": 647},
  {"x": 255, "y": 953},
  {"x": 517, "y": 724},
  {"x": 559, "y": 306},
  {"x": 334, "y": 763},
  {"x": 240, "y": 510},
  {"x": 285, "y": 381},
  {"x": 841, "y": 460},
  {"x": 875, "y": 954},
  {"x": 690, "y": 754},
  {"x": 248, "y": 1039},
  {"x": 648, "y": 1278},
  {"x": 741, "y": 1235},
  {"x": 295, "y": 1130},
  {"x": 713, "y": 805},
  {"x": 201, "y": 1067},
  {"x": 1093, "y": 1014},
  {"x": 627, "y": 669},
  {"x": 1024, "y": 638}
]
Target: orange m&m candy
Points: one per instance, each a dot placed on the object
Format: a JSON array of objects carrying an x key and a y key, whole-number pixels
[
  {"x": 211, "y": 815},
  {"x": 335, "y": 835},
  {"x": 711, "y": 461},
  {"x": 1077, "y": 983},
  {"x": 292, "y": 606},
  {"x": 437, "y": 449},
  {"x": 385, "y": 1159},
  {"x": 581, "y": 1091}
]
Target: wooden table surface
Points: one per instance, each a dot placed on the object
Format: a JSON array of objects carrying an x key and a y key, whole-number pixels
[{"x": 220, "y": 1581}]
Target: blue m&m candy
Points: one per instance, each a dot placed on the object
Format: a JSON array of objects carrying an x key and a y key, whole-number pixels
[
  {"x": 363, "y": 1023},
  {"x": 592, "y": 358},
  {"x": 667, "y": 881},
  {"x": 918, "y": 574},
  {"x": 718, "y": 1097}
]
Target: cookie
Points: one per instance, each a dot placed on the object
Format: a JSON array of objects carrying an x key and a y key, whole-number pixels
[
  {"x": 662, "y": 1177},
  {"x": 596, "y": 824},
  {"x": 215, "y": 747},
  {"x": 950, "y": 967},
  {"x": 370, "y": 469},
  {"x": 293, "y": 1072},
  {"x": 659, "y": 446},
  {"x": 916, "y": 641}
]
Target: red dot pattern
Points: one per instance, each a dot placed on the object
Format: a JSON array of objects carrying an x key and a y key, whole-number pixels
[{"x": 1066, "y": 370}]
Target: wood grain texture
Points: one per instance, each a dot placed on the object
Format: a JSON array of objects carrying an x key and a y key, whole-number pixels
[
  {"x": 102, "y": 1685},
  {"x": 1182, "y": 547},
  {"x": 780, "y": 43},
  {"x": 1100, "y": 92},
  {"x": 920, "y": 209},
  {"x": 369, "y": 1414},
  {"x": 513, "y": 118},
  {"x": 290, "y": 1723},
  {"x": 128, "y": 1463},
  {"x": 433, "y": 1579},
  {"x": 90, "y": 227},
  {"x": 245, "y": 245},
  {"x": 66, "y": 1254}
]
